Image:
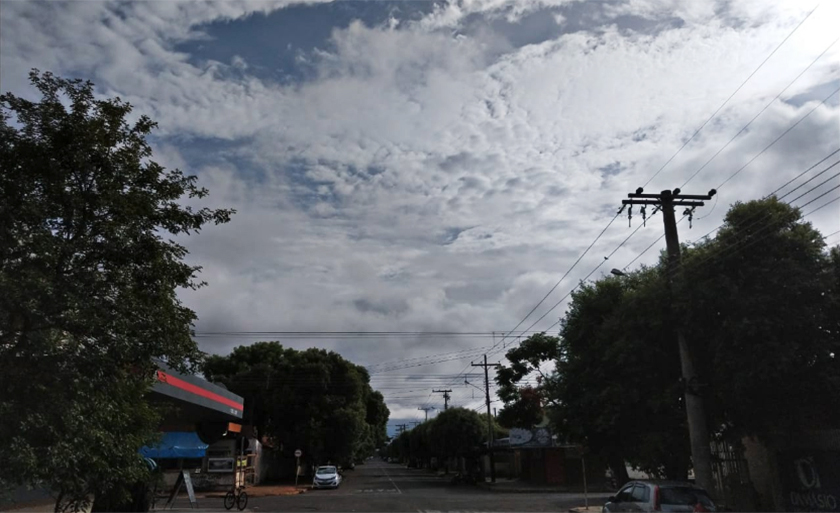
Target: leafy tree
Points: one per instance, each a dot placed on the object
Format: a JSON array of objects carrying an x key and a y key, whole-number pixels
[
  {"x": 314, "y": 400},
  {"x": 619, "y": 376},
  {"x": 762, "y": 309},
  {"x": 615, "y": 387},
  {"x": 760, "y": 306},
  {"x": 420, "y": 443},
  {"x": 525, "y": 404},
  {"x": 89, "y": 284},
  {"x": 457, "y": 431}
]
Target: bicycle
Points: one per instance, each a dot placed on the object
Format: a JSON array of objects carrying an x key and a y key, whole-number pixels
[{"x": 236, "y": 496}]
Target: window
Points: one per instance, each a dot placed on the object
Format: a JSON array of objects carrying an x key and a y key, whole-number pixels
[
  {"x": 685, "y": 496},
  {"x": 219, "y": 453},
  {"x": 641, "y": 493},
  {"x": 624, "y": 494}
]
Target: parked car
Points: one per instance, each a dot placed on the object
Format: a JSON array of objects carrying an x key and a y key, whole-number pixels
[
  {"x": 326, "y": 477},
  {"x": 666, "y": 496}
]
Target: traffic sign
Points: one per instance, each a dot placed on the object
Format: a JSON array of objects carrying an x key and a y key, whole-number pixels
[{"x": 298, "y": 453}]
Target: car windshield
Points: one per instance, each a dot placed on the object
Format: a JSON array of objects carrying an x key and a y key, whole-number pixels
[
  {"x": 684, "y": 496},
  {"x": 325, "y": 471}
]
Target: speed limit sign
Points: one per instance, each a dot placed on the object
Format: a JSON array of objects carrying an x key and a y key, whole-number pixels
[{"x": 298, "y": 453}]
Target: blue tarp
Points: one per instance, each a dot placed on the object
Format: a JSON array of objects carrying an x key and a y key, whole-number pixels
[{"x": 176, "y": 444}]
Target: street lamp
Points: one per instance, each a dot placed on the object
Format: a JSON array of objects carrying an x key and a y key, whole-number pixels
[{"x": 618, "y": 272}]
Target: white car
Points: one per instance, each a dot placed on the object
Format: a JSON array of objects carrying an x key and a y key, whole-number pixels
[{"x": 326, "y": 477}]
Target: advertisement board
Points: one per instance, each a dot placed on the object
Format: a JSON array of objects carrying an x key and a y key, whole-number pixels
[{"x": 220, "y": 465}]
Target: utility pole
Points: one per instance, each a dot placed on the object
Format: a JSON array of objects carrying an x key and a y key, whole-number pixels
[
  {"x": 698, "y": 431},
  {"x": 401, "y": 428},
  {"x": 489, "y": 417},
  {"x": 445, "y": 397},
  {"x": 425, "y": 410}
]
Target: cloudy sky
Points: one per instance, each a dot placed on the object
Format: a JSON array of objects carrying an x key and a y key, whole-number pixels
[{"x": 438, "y": 166}]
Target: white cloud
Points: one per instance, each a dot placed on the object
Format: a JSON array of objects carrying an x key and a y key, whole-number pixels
[{"x": 423, "y": 181}]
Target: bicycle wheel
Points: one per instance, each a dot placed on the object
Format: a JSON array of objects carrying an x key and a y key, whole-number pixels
[
  {"x": 242, "y": 501},
  {"x": 230, "y": 498}
]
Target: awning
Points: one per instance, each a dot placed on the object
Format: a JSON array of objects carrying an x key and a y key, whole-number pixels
[{"x": 176, "y": 444}]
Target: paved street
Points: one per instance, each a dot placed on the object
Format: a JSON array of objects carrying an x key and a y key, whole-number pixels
[{"x": 380, "y": 486}]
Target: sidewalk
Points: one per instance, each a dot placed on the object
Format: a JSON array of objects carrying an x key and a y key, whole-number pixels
[{"x": 261, "y": 491}]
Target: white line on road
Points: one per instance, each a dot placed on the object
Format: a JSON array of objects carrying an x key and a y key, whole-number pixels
[{"x": 392, "y": 481}]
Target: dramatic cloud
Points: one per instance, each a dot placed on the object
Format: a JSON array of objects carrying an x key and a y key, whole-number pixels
[{"x": 411, "y": 166}]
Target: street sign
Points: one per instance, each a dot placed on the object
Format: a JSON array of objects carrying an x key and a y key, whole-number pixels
[{"x": 298, "y": 453}]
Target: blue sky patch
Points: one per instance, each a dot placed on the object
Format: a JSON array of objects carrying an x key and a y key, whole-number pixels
[{"x": 279, "y": 46}]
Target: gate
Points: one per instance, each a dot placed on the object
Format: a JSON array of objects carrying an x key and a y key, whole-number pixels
[{"x": 730, "y": 470}]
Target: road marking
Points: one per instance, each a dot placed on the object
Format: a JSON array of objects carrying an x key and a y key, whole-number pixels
[{"x": 388, "y": 475}]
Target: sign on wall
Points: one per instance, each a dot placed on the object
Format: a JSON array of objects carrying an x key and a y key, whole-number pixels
[
  {"x": 220, "y": 465},
  {"x": 537, "y": 437},
  {"x": 811, "y": 480}
]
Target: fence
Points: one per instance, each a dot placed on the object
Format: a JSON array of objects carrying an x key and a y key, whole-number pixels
[{"x": 732, "y": 476}]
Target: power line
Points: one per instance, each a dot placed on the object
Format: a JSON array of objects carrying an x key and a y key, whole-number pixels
[
  {"x": 802, "y": 173},
  {"x": 808, "y": 181},
  {"x": 660, "y": 238},
  {"x": 736, "y": 173},
  {"x": 690, "y": 178},
  {"x": 633, "y": 233},
  {"x": 587, "y": 277},
  {"x": 801, "y": 195},
  {"x": 823, "y": 206},
  {"x": 765, "y": 197},
  {"x": 794, "y": 125},
  {"x": 730, "y": 96},
  {"x": 746, "y": 242},
  {"x": 560, "y": 280}
]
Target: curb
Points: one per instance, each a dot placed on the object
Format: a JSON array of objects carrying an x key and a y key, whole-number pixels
[{"x": 493, "y": 488}]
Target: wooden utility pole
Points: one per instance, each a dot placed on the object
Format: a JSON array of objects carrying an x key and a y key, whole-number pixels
[
  {"x": 425, "y": 410},
  {"x": 489, "y": 417},
  {"x": 701, "y": 454},
  {"x": 445, "y": 397}
]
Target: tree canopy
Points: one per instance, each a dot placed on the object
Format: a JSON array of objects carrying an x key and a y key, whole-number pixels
[
  {"x": 453, "y": 432},
  {"x": 89, "y": 281},
  {"x": 759, "y": 304},
  {"x": 764, "y": 295},
  {"x": 313, "y": 400}
]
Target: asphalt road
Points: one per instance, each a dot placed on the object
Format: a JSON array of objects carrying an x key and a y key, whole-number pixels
[{"x": 378, "y": 486}]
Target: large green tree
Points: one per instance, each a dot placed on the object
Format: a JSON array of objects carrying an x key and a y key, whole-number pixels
[
  {"x": 456, "y": 432},
  {"x": 613, "y": 383},
  {"x": 760, "y": 305},
  {"x": 89, "y": 279},
  {"x": 313, "y": 400}
]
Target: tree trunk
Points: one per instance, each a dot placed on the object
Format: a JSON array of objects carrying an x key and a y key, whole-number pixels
[
  {"x": 58, "y": 508},
  {"x": 619, "y": 470}
]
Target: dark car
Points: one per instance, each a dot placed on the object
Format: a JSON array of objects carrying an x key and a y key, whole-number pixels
[{"x": 668, "y": 496}]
